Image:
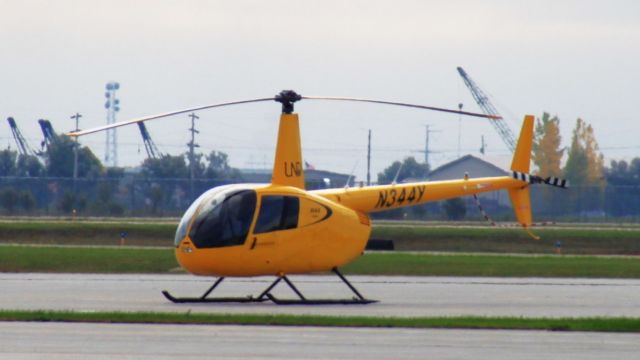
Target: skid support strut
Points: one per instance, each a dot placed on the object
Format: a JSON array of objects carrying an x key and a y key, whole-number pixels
[
  {"x": 266, "y": 295},
  {"x": 205, "y": 299}
]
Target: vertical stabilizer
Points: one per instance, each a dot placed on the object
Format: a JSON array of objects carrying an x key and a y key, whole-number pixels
[
  {"x": 522, "y": 155},
  {"x": 287, "y": 168},
  {"x": 520, "y": 198}
]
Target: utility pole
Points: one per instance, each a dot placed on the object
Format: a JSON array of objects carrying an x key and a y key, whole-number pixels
[
  {"x": 426, "y": 146},
  {"x": 459, "y": 128},
  {"x": 192, "y": 145},
  {"x": 369, "y": 160},
  {"x": 428, "y": 131},
  {"x": 426, "y": 150},
  {"x": 76, "y": 117}
]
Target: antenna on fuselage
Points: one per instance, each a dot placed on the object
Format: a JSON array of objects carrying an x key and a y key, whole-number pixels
[
  {"x": 395, "y": 178},
  {"x": 353, "y": 170}
]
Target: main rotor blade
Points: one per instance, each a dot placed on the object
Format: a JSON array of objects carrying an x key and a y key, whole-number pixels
[
  {"x": 494, "y": 117},
  {"x": 158, "y": 116}
]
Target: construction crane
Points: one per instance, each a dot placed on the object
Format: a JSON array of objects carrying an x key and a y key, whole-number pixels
[
  {"x": 49, "y": 135},
  {"x": 149, "y": 145},
  {"x": 23, "y": 146},
  {"x": 487, "y": 107}
]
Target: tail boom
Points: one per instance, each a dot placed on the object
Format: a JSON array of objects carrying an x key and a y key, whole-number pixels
[{"x": 386, "y": 197}]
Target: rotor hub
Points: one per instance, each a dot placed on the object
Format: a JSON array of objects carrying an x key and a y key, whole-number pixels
[{"x": 287, "y": 98}]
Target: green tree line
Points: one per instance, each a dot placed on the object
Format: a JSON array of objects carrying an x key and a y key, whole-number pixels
[{"x": 98, "y": 188}]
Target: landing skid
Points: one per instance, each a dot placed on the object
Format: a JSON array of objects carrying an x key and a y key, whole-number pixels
[{"x": 266, "y": 295}]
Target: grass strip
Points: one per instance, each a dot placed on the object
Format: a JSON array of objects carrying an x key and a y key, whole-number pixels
[
  {"x": 158, "y": 261},
  {"x": 417, "y": 264},
  {"x": 87, "y": 233},
  {"x": 577, "y": 241},
  {"x": 86, "y": 259},
  {"x": 601, "y": 324}
]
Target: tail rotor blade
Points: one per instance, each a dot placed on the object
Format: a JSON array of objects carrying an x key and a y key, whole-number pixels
[
  {"x": 534, "y": 179},
  {"x": 557, "y": 182}
]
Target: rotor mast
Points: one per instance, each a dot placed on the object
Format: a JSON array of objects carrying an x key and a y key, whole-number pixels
[{"x": 287, "y": 165}]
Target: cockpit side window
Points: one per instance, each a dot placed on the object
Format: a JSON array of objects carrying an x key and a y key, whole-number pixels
[
  {"x": 224, "y": 223},
  {"x": 277, "y": 213}
]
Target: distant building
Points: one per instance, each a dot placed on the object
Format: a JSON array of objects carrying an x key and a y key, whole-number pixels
[
  {"x": 476, "y": 168},
  {"x": 470, "y": 164}
]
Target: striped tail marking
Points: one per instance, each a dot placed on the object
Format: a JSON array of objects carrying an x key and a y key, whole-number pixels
[{"x": 533, "y": 179}]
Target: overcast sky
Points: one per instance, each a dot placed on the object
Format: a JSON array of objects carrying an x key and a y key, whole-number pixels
[{"x": 570, "y": 58}]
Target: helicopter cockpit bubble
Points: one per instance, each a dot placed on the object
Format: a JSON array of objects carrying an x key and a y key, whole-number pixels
[{"x": 219, "y": 217}]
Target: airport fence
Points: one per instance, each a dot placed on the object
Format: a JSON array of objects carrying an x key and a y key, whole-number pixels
[{"x": 133, "y": 196}]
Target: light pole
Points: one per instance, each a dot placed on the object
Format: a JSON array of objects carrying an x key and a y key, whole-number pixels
[
  {"x": 113, "y": 106},
  {"x": 192, "y": 156}
]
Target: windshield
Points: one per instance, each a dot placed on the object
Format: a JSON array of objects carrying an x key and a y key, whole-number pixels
[
  {"x": 224, "y": 221},
  {"x": 220, "y": 217},
  {"x": 181, "y": 232}
]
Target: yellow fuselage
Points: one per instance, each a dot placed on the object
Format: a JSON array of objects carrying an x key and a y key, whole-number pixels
[{"x": 328, "y": 235}]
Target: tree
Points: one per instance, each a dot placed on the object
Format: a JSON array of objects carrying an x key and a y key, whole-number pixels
[
  {"x": 29, "y": 166},
  {"x": 113, "y": 172},
  {"x": 623, "y": 188},
  {"x": 218, "y": 167},
  {"x": 410, "y": 169},
  {"x": 156, "y": 195},
  {"x": 454, "y": 208},
  {"x": 585, "y": 171},
  {"x": 585, "y": 163},
  {"x": 60, "y": 159},
  {"x": 9, "y": 199},
  {"x": 198, "y": 165},
  {"x": 595, "y": 159},
  {"x": 66, "y": 202},
  {"x": 166, "y": 167},
  {"x": 621, "y": 173},
  {"x": 27, "y": 201},
  {"x": 547, "y": 153},
  {"x": 8, "y": 162},
  {"x": 14, "y": 164}
]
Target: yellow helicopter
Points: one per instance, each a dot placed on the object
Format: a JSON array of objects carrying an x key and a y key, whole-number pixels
[{"x": 278, "y": 229}]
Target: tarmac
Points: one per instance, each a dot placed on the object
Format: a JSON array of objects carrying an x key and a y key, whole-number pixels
[
  {"x": 398, "y": 297},
  {"x": 122, "y": 341}
]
